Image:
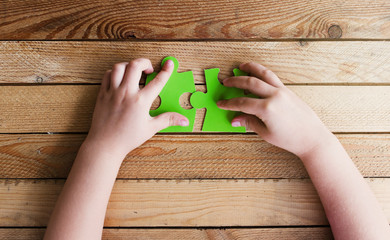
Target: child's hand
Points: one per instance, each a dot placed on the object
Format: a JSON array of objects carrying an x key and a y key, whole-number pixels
[
  {"x": 121, "y": 120},
  {"x": 279, "y": 116}
]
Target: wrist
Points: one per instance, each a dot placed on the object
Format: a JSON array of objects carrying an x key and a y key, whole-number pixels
[
  {"x": 328, "y": 142},
  {"x": 95, "y": 147}
]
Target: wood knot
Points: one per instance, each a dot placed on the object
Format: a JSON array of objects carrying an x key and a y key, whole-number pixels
[
  {"x": 39, "y": 79},
  {"x": 302, "y": 43},
  {"x": 335, "y": 31},
  {"x": 130, "y": 34}
]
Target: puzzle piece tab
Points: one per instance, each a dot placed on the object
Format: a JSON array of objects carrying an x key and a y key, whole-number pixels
[
  {"x": 177, "y": 84},
  {"x": 216, "y": 119}
]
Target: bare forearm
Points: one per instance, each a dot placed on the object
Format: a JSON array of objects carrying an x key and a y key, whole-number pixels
[
  {"x": 351, "y": 207},
  {"x": 81, "y": 207},
  {"x": 120, "y": 123},
  {"x": 284, "y": 120}
]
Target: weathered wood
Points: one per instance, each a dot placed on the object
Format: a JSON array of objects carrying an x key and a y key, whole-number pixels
[
  {"x": 189, "y": 203},
  {"x": 184, "y": 202},
  {"x": 69, "y": 108},
  {"x": 223, "y": 234},
  {"x": 320, "y": 233},
  {"x": 294, "y": 62},
  {"x": 185, "y": 156},
  {"x": 21, "y": 233},
  {"x": 152, "y": 19},
  {"x": 46, "y": 109}
]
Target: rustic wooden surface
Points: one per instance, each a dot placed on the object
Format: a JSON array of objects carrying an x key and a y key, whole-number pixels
[
  {"x": 152, "y": 19},
  {"x": 185, "y": 156},
  {"x": 295, "y": 62},
  {"x": 190, "y": 203},
  {"x": 333, "y": 54},
  {"x": 318, "y": 233}
]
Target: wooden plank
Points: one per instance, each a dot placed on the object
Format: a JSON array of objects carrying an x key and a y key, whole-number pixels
[
  {"x": 152, "y": 19},
  {"x": 294, "y": 62},
  {"x": 185, "y": 156},
  {"x": 223, "y": 234},
  {"x": 21, "y": 233},
  {"x": 320, "y": 233},
  {"x": 69, "y": 108},
  {"x": 214, "y": 203}
]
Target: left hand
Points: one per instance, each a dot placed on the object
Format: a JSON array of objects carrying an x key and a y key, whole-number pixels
[
  {"x": 121, "y": 120},
  {"x": 278, "y": 116}
]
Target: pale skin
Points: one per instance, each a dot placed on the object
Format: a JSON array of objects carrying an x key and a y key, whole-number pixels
[{"x": 121, "y": 122}]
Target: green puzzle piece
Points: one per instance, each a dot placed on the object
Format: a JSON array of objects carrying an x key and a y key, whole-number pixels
[
  {"x": 216, "y": 119},
  {"x": 177, "y": 84}
]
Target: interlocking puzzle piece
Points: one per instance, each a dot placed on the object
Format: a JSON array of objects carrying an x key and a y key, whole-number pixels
[
  {"x": 216, "y": 119},
  {"x": 177, "y": 84}
]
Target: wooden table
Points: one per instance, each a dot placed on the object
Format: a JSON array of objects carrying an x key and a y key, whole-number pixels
[{"x": 333, "y": 54}]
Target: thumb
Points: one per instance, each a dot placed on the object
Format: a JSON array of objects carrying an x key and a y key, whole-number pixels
[
  {"x": 167, "y": 119},
  {"x": 250, "y": 122}
]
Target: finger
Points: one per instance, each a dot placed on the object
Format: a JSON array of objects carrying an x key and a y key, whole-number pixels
[
  {"x": 105, "y": 82},
  {"x": 258, "y": 70},
  {"x": 134, "y": 71},
  {"x": 252, "y": 84},
  {"x": 250, "y": 122},
  {"x": 252, "y": 106},
  {"x": 118, "y": 70},
  {"x": 167, "y": 119},
  {"x": 153, "y": 89}
]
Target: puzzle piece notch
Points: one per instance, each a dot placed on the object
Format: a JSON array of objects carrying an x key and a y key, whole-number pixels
[
  {"x": 216, "y": 119},
  {"x": 177, "y": 84},
  {"x": 197, "y": 98}
]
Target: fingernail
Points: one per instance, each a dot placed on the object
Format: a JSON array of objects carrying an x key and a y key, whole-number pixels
[
  {"x": 183, "y": 122},
  {"x": 169, "y": 63},
  {"x": 236, "y": 124},
  {"x": 219, "y": 103}
]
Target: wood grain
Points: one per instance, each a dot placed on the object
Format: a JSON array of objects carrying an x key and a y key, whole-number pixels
[
  {"x": 294, "y": 62},
  {"x": 152, "y": 19},
  {"x": 69, "y": 108},
  {"x": 177, "y": 196},
  {"x": 318, "y": 233},
  {"x": 215, "y": 203},
  {"x": 185, "y": 156}
]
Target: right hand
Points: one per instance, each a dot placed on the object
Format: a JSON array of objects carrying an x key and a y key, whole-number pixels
[
  {"x": 121, "y": 120},
  {"x": 278, "y": 116}
]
